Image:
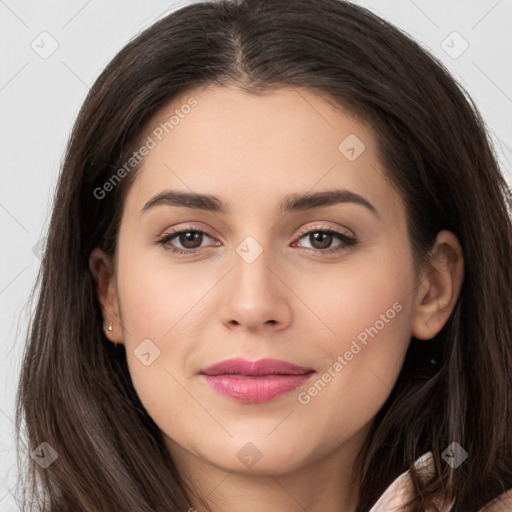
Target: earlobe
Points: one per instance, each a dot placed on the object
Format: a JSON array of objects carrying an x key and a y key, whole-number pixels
[
  {"x": 440, "y": 286},
  {"x": 102, "y": 269}
]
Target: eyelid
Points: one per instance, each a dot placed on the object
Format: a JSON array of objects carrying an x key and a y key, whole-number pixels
[
  {"x": 186, "y": 227},
  {"x": 323, "y": 227}
]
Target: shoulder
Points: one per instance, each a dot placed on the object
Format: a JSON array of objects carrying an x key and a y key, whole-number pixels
[
  {"x": 502, "y": 503},
  {"x": 401, "y": 491}
]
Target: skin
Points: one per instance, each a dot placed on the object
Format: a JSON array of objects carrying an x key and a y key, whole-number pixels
[{"x": 291, "y": 303}]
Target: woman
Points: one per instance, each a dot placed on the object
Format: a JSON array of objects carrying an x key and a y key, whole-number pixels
[{"x": 277, "y": 276}]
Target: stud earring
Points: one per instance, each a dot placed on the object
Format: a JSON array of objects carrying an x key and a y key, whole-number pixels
[{"x": 109, "y": 328}]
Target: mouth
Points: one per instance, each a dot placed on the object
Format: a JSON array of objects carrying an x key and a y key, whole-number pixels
[{"x": 255, "y": 382}]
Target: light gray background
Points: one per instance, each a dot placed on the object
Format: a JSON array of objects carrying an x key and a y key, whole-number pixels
[{"x": 40, "y": 98}]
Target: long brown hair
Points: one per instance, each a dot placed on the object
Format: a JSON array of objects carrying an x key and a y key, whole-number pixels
[{"x": 75, "y": 391}]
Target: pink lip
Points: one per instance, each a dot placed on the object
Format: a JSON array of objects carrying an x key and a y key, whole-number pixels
[{"x": 255, "y": 381}]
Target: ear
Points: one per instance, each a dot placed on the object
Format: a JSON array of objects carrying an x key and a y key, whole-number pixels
[
  {"x": 439, "y": 287},
  {"x": 102, "y": 269}
]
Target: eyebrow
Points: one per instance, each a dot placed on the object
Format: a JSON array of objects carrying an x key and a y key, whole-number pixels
[{"x": 291, "y": 203}]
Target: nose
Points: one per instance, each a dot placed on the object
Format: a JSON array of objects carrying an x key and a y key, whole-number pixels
[{"x": 256, "y": 297}]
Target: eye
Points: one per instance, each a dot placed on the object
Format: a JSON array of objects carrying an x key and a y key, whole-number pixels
[
  {"x": 321, "y": 238},
  {"x": 190, "y": 239}
]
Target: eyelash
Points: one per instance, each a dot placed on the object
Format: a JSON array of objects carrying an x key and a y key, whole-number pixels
[{"x": 347, "y": 241}]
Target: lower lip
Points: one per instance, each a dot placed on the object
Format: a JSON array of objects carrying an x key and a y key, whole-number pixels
[{"x": 255, "y": 389}]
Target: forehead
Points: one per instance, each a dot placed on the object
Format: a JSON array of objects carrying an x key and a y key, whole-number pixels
[{"x": 241, "y": 146}]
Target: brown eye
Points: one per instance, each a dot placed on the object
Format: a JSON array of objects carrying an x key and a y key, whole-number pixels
[
  {"x": 185, "y": 240},
  {"x": 321, "y": 240},
  {"x": 190, "y": 239}
]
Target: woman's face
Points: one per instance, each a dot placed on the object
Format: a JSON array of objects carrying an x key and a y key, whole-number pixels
[{"x": 263, "y": 276}]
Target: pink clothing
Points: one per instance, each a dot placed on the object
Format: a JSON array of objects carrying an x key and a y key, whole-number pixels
[{"x": 401, "y": 491}]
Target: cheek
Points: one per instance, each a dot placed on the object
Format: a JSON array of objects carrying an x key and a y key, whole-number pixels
[
  {"x": 367, "y": 306},
  {"x": 368, "y": 316},
  {"x": 165, "y": 311},
  {"x": 362, "y": 362},
  {"x": 366, "y": 298},
  {"x": 157, "y": 297}
]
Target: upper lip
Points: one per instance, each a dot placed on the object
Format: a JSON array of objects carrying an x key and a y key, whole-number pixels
[{"x": 268, "y": 366}]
